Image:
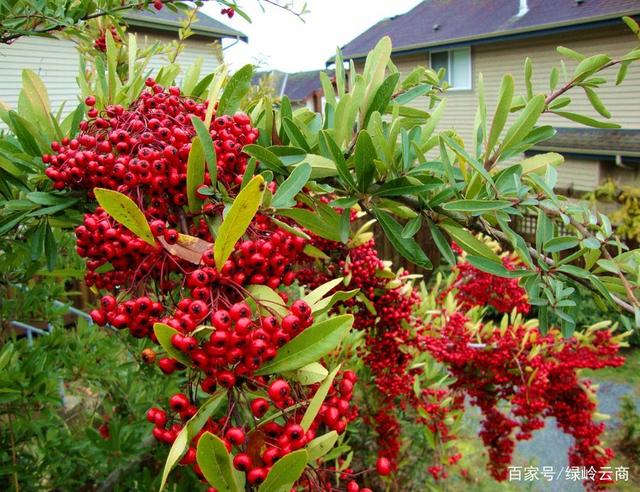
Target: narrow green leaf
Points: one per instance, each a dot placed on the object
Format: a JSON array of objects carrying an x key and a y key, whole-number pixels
[
  {"x": 309, "y": 346},
  {"x": 364, "y": 155},
  {"x": 330, "y": 150},
  {"x": 569, "y": 53},
  {"x": 502, "y": 111},
  {"x": 412, "y": 227},
  {"x": 285, "y": 472},
  {"x": 238, "y": 218},
  {"x": 291, "y": 186},
  {"x": 126, "y": 212},
  {"x": 189, "y": 431},
  {"x": 310, "y": 374},
  {"x": 208, "y": 148},
  {"x": 408, "y": 248},
  {"x": 195, "y": 174},
  {"x": 442, "y": 244},
  {"x": 468, "y": 242},
  {"x": 525, "y": 122},
  {"x": 321, "y": 445},
  {"x": 596, "y": 102},
  {"x": 561, "y": 243},
  {"x": 382, "y": 97},
  {"x": 237, "y": 87},
  {"x": 215, "y": 462},
  {"x": 318, "y": 399},
  {"x": 476, "y": 206},
  {"x": 266, "y": 157},
  {"x": 328, "y": 229},
  {"x": 163, "y": 334},
  {"x": 585, "y": 120},
  {"x": 50, "y": 248}
]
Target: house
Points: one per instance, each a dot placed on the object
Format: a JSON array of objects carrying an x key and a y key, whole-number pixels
[
  {"x": 57, "y": 61},
  {"x": 493, "y": 37},
  {"x": 302, "y": 88}
]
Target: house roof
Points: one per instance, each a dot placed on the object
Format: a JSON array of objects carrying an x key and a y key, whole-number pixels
[
  {"x": 296, "y": 86},
  {"x": 448, "y": 22},
  {"x": 166, "y": 20},
  {"x": 594, "y": 141}
]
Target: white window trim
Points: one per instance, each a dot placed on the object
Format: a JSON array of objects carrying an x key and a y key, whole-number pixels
[{"x": 449, "y": 58}]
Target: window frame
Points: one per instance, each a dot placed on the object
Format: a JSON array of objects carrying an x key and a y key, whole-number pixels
[{"x": 449, "y": 53}]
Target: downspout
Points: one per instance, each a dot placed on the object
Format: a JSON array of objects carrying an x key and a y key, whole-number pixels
[{"x": 284, "y": 84}]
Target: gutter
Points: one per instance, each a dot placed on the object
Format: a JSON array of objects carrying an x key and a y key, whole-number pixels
[
  {"x": 172, "y": 26},
  {"x": 522, "y": 33}
]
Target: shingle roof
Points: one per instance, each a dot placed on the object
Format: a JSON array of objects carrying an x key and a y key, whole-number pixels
[
  {"x": 166, "y": 20},
  {"x": 594, "y": 141},
  {"x": 297, "y": 86},
  {"x": 468, "y": 20}
]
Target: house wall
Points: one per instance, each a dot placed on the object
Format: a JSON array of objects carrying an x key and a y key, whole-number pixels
[
  {"x": 56, "y": 61},
  {"x": 496, "y": 59}
]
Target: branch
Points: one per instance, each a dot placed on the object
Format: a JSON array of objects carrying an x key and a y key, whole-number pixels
[{"x": 414, "y": 205}]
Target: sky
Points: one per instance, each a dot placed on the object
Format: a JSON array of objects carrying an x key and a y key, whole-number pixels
[{"x": 279, "y": 40}]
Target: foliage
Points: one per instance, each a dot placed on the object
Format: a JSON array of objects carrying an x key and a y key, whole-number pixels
[
  {"x": 625, "y": 217},
  {"x": 50, "y": 443},
  {"x": 231, "y": 236}
]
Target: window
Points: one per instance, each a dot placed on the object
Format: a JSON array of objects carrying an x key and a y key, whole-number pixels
[{"x": 457, "y": 63}]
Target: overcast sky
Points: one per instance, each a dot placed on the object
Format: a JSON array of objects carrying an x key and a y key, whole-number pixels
[{"x": 281, "y": 41}]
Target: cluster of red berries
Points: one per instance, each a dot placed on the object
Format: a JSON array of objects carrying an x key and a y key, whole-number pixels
[
  {"x": 387, "y": 336},
  {"x": 100, "y": 43},
  {"x": 256, "y": 450},
  {"x": 229, "y": 12},
  {"x": 238, "y": 346},
  {"x": 146, "y": 147},
  {"x": 535, "y": 373},
  {"x": 474, "y": 287}
]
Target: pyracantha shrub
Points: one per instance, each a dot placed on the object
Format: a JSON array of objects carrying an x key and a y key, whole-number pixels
[{"x": 216, "y": 328}]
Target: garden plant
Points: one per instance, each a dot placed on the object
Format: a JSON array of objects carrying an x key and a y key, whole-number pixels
[{"x": 236, "y": 235}]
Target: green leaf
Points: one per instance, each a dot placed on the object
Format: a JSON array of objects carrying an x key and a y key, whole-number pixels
[
  {"x": 453, "y": 145},
  {"x": 539, "y": 163},
  {"x": 266, "y": 157},
  {"x": 561, "y": 243},
  {"x": 596, "y": 102},
  {"x": 268, "y": 300},
  {"x": 237, "y": 87},
  {"x": 407, "y": 186},
  {"x": 318, "y": 399},
  {"x": 208, "y": 148},
  {"x": 442, "y": 244},
  {"x": 50, "y": 248},
  {"x": 291, "y": 186},
  {"x": 502, "y": 111},
  {"x": 364, "y": 155},
  {"x": 309, "y": 346},
  {"x": 408, "y": 248},
  {"x": 321, "y": 445},
  {"x": 328, "y": 229},
  {"x": 528, "y": 72},
  {"x": 525, "y": 122},
  {"x": 215, "y": 462},
  {"x": 489, "y": 266},
  {"x": 589, "y": 66},
  {"x": 585, "y": 120},
  {"x": 310, "y": 374},
  {"x": 189, "y": 431},
  {"x": 412, "y": 227},
  {"x": 125, "y": 212},
  {"x": 327, "y": 89},
  {"x": 569, "y": 53},
  {"x": 195, "y": 174},
  {"x": 294, "y": 133},
  {"x": 382, "y": 97},
  {"x": 413, "y": 93},
  {"x": 238, "y": 218},
  {"x": 476, "y": 206},
  {"x": 163, "y": 334},
  {"x": 321, "y": 167},
  {"x": 285, "y": 472},
  {"x": 330, "y": 150},
  {"x": 319, "y": 292},
  {"x": 468, "y": 242}
]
